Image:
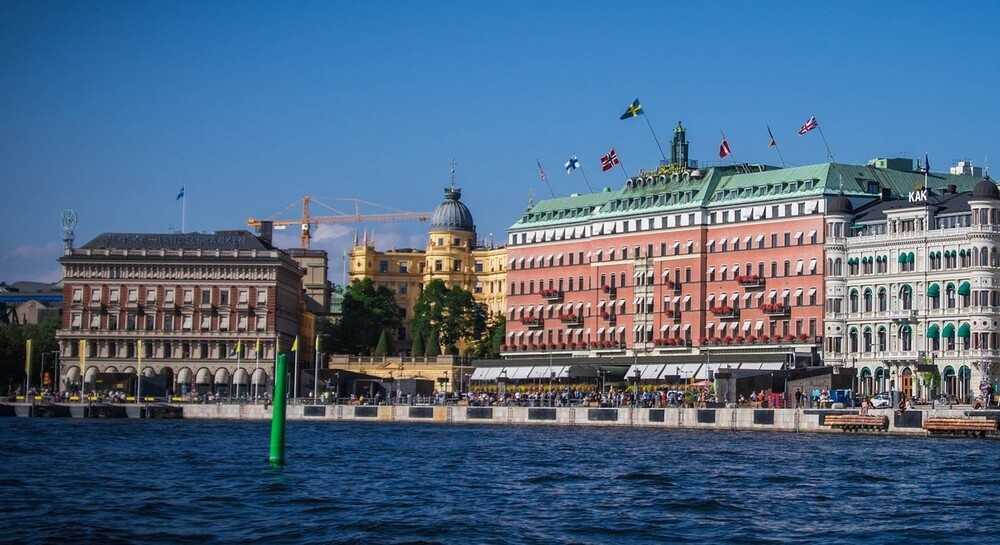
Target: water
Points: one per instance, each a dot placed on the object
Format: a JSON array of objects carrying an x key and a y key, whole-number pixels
[{"x": 178, "y": 482}]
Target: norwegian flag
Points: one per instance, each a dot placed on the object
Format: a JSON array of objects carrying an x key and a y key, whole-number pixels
[
  {"x": 724, "y": 150},
  {"x": 609, "y": 160},
  {"x": 809, "y": 125}
]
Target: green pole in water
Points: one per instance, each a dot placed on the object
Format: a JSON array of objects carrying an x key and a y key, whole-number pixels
[{"x": 277, "y": 454}]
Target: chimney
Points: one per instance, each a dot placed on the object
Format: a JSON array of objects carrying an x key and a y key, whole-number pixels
[
  {"x": 267, "y": 232},
  {"x": 952, "y": 188},
  {"x": 886, "y": 193}
]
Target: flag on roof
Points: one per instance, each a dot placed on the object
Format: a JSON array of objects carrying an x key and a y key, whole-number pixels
[
  {"x": 572, "y": 164},
  {"x": 809, "y": 125},
  {"x": 541, "y": 172},
  {"x": 609, "y": 160},
  {"x": 771, "y": 142},
  {"x": 927, "y": 165},
  {"x": 724, "y": 150},
  {"x": 633, "y": 110},
  {"x": 181, "y": 194}
]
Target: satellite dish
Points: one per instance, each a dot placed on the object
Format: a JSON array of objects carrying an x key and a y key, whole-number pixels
[{"x": 69, "y": 219}]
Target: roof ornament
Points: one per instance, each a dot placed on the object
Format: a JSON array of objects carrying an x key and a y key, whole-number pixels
[
  {"x": 453, "y": 165},
  {"x": 69, "y": 220}
]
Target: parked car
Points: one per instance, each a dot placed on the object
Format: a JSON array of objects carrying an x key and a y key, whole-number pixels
[{"x": 882, "y": 401}]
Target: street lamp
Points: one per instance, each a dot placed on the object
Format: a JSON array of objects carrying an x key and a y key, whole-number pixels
[{"x": 637, "y": 375}]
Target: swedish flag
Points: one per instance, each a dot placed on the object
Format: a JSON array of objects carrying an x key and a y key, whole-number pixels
[{"x": 633, "y": 110}]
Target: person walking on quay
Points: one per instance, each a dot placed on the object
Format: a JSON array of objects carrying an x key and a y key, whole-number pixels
[{"x": 798, "y": 398}]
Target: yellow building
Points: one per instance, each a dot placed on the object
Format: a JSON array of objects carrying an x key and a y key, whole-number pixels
[{"x": 453, "y": 255}]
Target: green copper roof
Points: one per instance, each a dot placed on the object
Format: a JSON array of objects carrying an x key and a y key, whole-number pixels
[{"x": 651, "y": 193}]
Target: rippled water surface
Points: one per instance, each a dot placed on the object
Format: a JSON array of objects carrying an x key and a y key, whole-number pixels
[{"x": 126, "y": 481}]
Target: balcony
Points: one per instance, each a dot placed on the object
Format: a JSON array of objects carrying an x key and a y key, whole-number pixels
[
  {"x": 750, "y": 281},
  {"x": 899, "y": 315},
  {"x": 725, "y": 312},
  {"x": 533, "y": 323},
  {"x": 776, "y": 309},
  {"x": 571, "y": 319},
  {"x": 552, "y": 296}
]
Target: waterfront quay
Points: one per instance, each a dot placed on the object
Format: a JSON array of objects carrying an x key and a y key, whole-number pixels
[{"x": 916, "y": 422}]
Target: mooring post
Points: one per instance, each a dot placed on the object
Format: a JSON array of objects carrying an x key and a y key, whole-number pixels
[{"x": 277, "y": 451}]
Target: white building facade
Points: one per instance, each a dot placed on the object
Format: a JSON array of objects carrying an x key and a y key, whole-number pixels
[{"x": 913, "y": 292}]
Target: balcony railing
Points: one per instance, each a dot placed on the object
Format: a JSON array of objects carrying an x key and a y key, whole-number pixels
[
  {"x": 750, "y": 281},
  {"x": 571, "y": 320},
  {"x": 552, "y": 296},
  {"x": 775, "y": 309},
  {"x": 725, "y": 312}
]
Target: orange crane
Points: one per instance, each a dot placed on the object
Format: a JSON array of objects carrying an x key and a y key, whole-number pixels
[{"x": 307, "y": 219}]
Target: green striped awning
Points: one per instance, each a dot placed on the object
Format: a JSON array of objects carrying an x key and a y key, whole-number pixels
[
  {"x": 933, "y": 331},
  {"x": 934, "y": 290},
  {"x": 964, "y": 331},
  {"x": 949, "y": 331}
]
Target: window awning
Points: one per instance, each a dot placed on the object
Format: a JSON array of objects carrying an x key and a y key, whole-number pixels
[
  {"x": 949, "y": 331},
  {"x": 964, "y": 289},
  {"x": 964, "y": 331},
  {"x": 933, "y": 331},
  {"x": 934, "y": 290},
  {"x": 621, "y": 329}
]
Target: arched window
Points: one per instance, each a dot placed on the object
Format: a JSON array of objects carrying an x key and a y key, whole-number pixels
[
  {"x": 934, "y": 336},
  {"x": 949, "y": 293},
  {"x": 881, "y": 344},
  {"x": 867, "y": 339},
  {"x": 906, "y": 338},
  {"x": 934, "y": 295},
  {"x": 854, "y": 300},
  {"x": 852, "y": 339},
  {"x": 964, "y": 335},
  {"x": 883, "y": 300},
  {"x": 838, "y": 269},
  {"x": 906, "y": 297},
  {"x": 868, "y": 300}
]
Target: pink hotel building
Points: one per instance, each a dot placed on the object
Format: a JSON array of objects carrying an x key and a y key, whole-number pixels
[{"x": 683, "y": 261}]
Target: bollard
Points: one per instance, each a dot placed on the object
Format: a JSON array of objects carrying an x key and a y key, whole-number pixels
[{"x": 277, "y": 451}]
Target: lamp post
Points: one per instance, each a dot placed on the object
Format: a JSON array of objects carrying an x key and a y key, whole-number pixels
[
  {"x": 502, "y": 380},
  {"x": 637, "y": 375}
]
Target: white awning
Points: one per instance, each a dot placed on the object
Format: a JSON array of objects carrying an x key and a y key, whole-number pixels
[
  {"x": 636, "y": 328},
  {"x": 518, "y": 372},
  {"x": 760, "y": 238},
  {"x": 637, "y": 274},
  {"x": 812, "y": 291},
  {"x": 772, "y": 366},
  {"x": 678, "y": 298},
  {"x": 548, "y": 307},
  {"x": 579, "y": 306},
  {"x": 798, "y": 292},
  {"x": 510, "y": 335},
  {"x": 686, "y": 299},
  {"x": 812, "y": 234},
  {"x": 682, "y": 370},
  {"x": 759, "y": 324},
  {"x": 711, "y": 270},
  {"x": 520, "y": 335},
  {"x": 746, "y": 298},
  {"x": 664, "y": 328},
  {"x": 621, "y": 329},
  {"x": 799, "y": 266},
  {"x": 798, "y": 235},
  {"x": 722, "y": 299},
  {"x": 636, "y": 300},
  {"x": 677, "y": 329},
  {"x": 600, "y": 331},
  {"x": 702, "y": 373},
  {"x": 746, "y": 326},
  {"x": 710, "y": 298},
  {"x": 649, "y": 299},
  {"x": 746, "y": 242},
  {"x": 687, "y": 327},
  {"x": 666, "y": 273},
  {"x": 784, "y": 293},
  {"x": 600, "y": 305},
  {"x": 586, "y": 331}
]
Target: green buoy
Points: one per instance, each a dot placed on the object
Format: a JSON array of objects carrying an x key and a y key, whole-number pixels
[{"x": 277, "y": 454}]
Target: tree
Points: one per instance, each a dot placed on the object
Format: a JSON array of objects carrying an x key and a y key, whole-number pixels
[
  {"x": 384, "y": 347},
  {"x": 451, "y": 313},
  {"x": 434, "y": 345},
  {"x": 368, "y": 311},
  {"x": 488, "y": 344},
  {"x": 12, "y": 351},
  {"x": 417, "y": 347}
]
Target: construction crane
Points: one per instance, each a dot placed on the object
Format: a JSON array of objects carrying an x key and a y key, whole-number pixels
[{"x": 308, "y": 220}]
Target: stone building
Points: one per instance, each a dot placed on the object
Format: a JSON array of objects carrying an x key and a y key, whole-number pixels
[
  {"x": 453, "y": 255},
  {"x": 913, "y": 297},
  {"x": 184, "y": 302}
]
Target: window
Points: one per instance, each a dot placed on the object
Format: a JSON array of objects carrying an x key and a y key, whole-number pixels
[
  {"x": 78, "y": 295},
  {"x": 130, "y": 322},
  {"x": 168, "y": 322},
  {"x": 479, "y": 266},
  {"x": 95, "y": 321},
  {"x": 241, "y": 325},
  {"x": 150, "y": 322},
  {"x": 206, "y": 323},
  {"x": 76, "y": 320},
  {"x": 438, "y": 265},
  {"x": 261, "y": 322},
  {"x": 168, "y": 296},
  {"x": 383, "y": 266},
  {"x": 402, "y": 288},
  {"x": 133, "y": 295},
  {"x": 151, "y": 295},
  {"x": 456, "y": 265},
  {"x": 112, "y": 322},
  {"x": 186, "y": 323},
  {"x": 206, "y": 297},
  {"x": 244, "y": 296},
  {"x": 261, "y": 296},
  {"x": 224, "y": 297},
  {"x": 404, "y": 267},
  {"x": 114, "y": 295},
  {"x": 188, "y": 296}
]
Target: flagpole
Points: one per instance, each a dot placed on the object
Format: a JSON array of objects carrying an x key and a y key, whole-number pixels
[
  {"x": 729, "y": 148},
  {"x": 295, "y": 379},
  {"x": 138, "y": 373},
  {"x": 316, "y": 372},
  {"x": 655, "y": 139},
  {"x": 586, "y": 179},
  {"x": 829, "y": 154},
  {"x": 541, "y": 174},
  {"x": 776, "y": 148},
  {"x": 184, "y": 211}
]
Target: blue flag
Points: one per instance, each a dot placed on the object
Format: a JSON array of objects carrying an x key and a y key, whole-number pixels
[{"x": 181, "y": 194}]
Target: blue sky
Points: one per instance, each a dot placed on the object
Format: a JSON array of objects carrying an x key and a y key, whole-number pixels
[{"x": 110, "y": 107}]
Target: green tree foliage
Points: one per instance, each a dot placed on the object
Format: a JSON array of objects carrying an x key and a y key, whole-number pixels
[
  {"x": 451, "y": 314},
  {"x": 417, "y": 347},
  {"x": 384, "y": 347},
  {"x": 433, "y": 344},
  {"x": 488, "y": 344},
  {"x": 12, "y": 347},
  {"x": 368, "y": 311}
]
